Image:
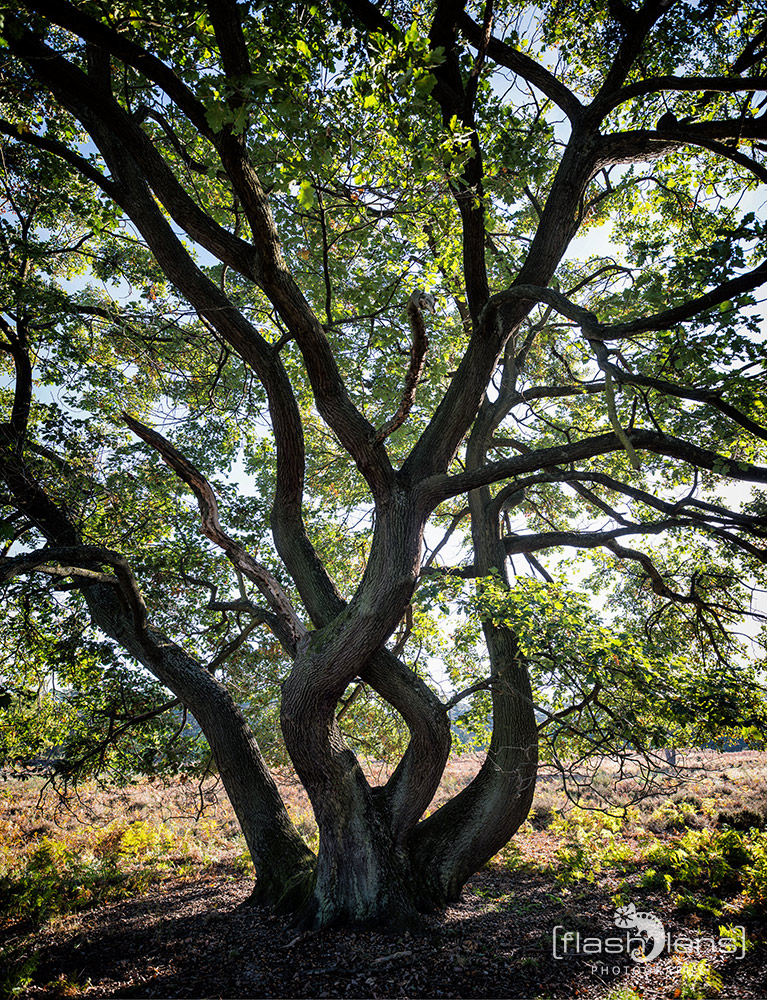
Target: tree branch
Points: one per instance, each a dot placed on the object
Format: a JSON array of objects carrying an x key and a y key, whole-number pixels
[
  {"x": 27, "y": 137},
  {"x": 530, "y": 70},
  {"x": 749, "y": 521},
  {"x": 206, "y": 500},
  {"x": 82, "y": 555},
  {"x": 514, "y": 544},
  {"x": 231, "y": 647},
  {"x": 418, "y": 301},
  {"x": 98, "y": 110},
  {"x": 707, "y": 396},
  {"x": 656, "y": 84},
  {"x": 438, "y": 488},
  {"x": 595, "y": 330},
  {"x": 67, "y": 16},
  {"x": 642, "y": 23},
  {"x": 563, "y": 713},
  {"x": 648, "y": 144},
  {"x": 657, "y": 582},
  {"x": 483, "y": 685}
]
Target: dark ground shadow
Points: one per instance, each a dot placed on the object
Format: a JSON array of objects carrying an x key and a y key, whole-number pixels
[{"x": 195, "y": 939}]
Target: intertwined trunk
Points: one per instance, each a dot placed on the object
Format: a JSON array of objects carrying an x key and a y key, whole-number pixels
[
  {"x": 377, "y": 863},
  {"x": 362, "y": 874},
  {"x": 363, "y": 870}
]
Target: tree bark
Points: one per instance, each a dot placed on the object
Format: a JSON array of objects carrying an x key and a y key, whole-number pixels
[
  {"x": 457, "y": 840},
  {"x": 363, "y": 874}
]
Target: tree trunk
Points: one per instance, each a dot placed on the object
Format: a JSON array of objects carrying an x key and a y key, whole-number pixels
[
  {"x": 362, "y": 873},
  {"x": 362, "y": 876},
  {"x": 284, "y": 864}
]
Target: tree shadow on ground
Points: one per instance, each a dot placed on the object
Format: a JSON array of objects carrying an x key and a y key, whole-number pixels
[{"x": 197, "y": 939}]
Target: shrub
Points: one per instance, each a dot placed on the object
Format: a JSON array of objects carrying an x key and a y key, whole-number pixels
[
  {"x": 589, "y": 843},
  {"x": 672, "y": 815},
  {"x": 623, "y": 993},
  {"x": 56, "y": 878},
  {"x": 698, "y": 980},
  {"x": 726, "y": 860},
  {"x": 741, "y": 819}
]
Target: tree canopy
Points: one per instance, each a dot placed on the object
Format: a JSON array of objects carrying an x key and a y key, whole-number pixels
[{"x": 365, "y": 365}]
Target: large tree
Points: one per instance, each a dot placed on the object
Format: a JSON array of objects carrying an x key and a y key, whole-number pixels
[{"x": 339, "y": 262}]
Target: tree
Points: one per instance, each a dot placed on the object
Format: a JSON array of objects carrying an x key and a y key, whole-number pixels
[{"x": 289, "y": 197}]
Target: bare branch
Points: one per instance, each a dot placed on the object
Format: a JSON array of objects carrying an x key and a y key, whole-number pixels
[
  {"x": 76, "y": 560},
  {"x": 483, "y": 685},
  {"x": 438, "y": 488},
  {"x": 59, "y": 149},
  {"x": 73, "y": 19},
  {"x": 657, "y": 582},
  {"x": 571, "y": 709},
  {"x": 231, "y": 647}
]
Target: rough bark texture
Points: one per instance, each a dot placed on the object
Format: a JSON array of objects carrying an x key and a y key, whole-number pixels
[{"x": 362, "y": 871}]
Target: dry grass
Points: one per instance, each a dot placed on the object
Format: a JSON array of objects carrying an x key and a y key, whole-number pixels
[{"x": 705, "y": 790}]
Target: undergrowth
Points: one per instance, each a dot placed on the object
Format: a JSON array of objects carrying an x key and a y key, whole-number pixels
[{"x": 52, "y": 869}]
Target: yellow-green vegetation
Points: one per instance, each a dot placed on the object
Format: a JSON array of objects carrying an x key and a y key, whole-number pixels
[
  {"x": 724, "y": 862},
  {"x": 623, "y": 993},
  {"x": 64, "y": 858},
  {"x": 707, "y": 871},
  {"x": 48, "y": 868},
  {"x": 698, "y": 980},
  {"x": 306, "y": 825},
  {"x": 590, "y": 840},
  {"x": 53, "y": 876},
  {"x": 700, "y": 839}
]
